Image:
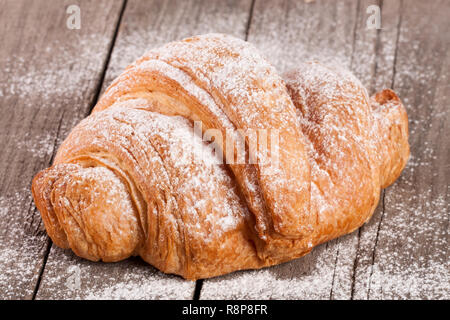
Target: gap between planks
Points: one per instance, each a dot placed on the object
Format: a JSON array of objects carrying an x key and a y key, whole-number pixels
[
  {"x": 383, "y": 196},
  {"x": 199, "y": 283},
  {"x": 355, "y": 28},
  {"x": 49, "y": 243}
]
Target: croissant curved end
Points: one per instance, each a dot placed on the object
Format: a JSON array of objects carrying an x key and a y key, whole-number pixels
[
  {"x": 88, "y": 210},
  {"x": 391, "y": 115}
]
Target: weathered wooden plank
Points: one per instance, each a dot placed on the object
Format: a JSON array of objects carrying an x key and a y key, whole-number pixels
[
  {"x": 149, "y": 24},
  {"x": 49, "y": 77},
  {"x": 373, "y": 63},
  {"x": 289, "y": 32},
  {"x": 411, "y": 259},
  {"x": 145, "y": 24},
  {"x": 402, "y": 251}
]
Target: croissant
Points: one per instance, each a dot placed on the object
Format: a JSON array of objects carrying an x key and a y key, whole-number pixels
[{"x": 154, "y": 171}]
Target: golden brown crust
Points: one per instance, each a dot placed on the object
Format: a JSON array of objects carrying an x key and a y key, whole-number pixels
[
  {"x": 134, "y": 178},
  {"x": 393, "y": 120},
  {"x": 347, "y": 135},
  {"x": 225, "y": 83}
]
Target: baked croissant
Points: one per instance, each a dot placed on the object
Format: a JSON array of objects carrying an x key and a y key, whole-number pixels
[{"x": 137, "y": 177}]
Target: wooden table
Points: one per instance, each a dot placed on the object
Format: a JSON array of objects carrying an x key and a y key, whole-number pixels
[{"x": 51, "y": 77}]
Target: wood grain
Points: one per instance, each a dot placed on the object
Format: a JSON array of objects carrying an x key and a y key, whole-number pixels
[
  {"x": 149, "y": 24},
  {"x": 145, "y": 24},
  {"x": 402, "y": 251},
  {"x": 288, "y": 32},
  {"x": 51, "y": 77},
  {"x": 410, "y": 258},
  {"x": 48, "y": 80}
]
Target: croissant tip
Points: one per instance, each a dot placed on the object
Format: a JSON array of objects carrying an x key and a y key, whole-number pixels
[{"x": 386, "y": 95}]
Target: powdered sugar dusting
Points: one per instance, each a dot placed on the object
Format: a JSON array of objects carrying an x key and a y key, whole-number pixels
[
  {"x": 22, "y": 247},
  {"x": 313, "y": 279},
  {"x": 394, "y": 274},
  {"x": 163, "y": 25},
  {"x": 429, "y": 274},
  {"x": 194, "y": 173},
  {"x": 304, "y": 33},
  {"x": 37, "y": 82},
  {"x": 69, "y": 277},
  {"x": 37, "y": 146}
]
